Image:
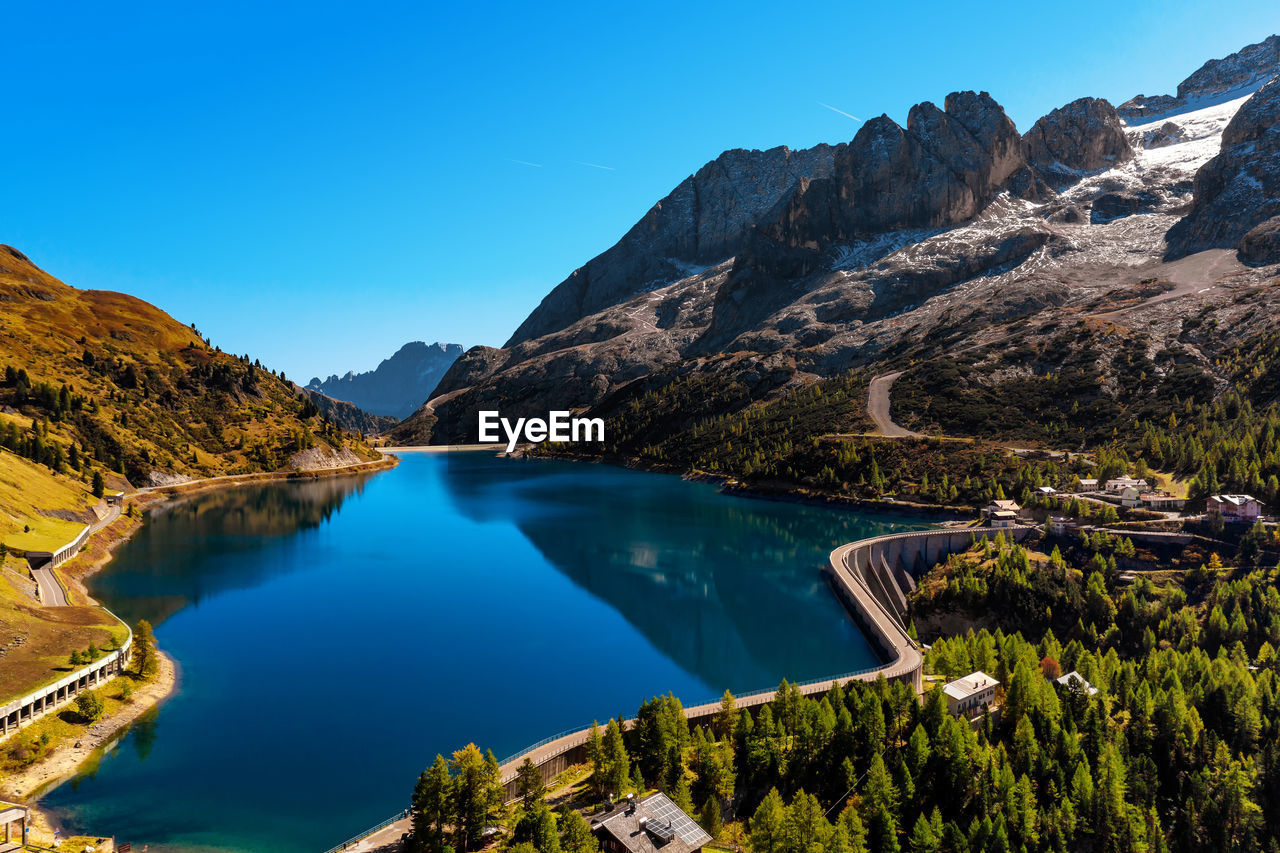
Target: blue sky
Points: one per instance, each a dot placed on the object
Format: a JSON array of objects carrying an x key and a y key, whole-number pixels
[{"x": 317, "y": 183}]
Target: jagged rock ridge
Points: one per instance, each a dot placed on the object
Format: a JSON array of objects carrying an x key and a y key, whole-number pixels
[
  {"x": 1242, "y": 71},
  {"x": 399, "y": 385},
  {"x": 701, "y": 222}
]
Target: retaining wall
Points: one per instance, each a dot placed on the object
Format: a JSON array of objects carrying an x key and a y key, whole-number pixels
[
  {"x": 47, "y": 559},
  {"x": 27, "y": 709}
]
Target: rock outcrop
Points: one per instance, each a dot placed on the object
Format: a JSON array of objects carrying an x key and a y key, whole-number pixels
[
  {"x": 1261, "y": 246},
  {"x": 399, "y": 385},
  {"x": 943, "y": 168},
  {"x": 701, "y": 222},
  {"x": 1217, "y": 79},
  {"x": 1240, "y": 188},
  {"x": 1084, "y": 136}
]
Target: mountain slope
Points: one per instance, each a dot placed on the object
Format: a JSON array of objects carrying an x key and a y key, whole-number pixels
[
  {"x": 953, "y": 234},
  {"x": 101, "y": 381},
  {"x": 397, "y": 386}
]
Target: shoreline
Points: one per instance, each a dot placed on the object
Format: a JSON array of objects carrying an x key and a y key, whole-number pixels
[
  {"x": 28, "y": 785},
  {"x": 780, "y": 492}
]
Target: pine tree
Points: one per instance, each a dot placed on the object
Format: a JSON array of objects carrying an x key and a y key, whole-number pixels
[
  {"x": 145, "y": 660},
  {"x": 576, "y": 835},
  {"x": 767, "y": 824},
  {"x": 710, "y": 818}
]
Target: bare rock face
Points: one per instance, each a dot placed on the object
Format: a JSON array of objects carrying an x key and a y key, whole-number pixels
[
  {"x": 1163, "y": 136},
  {"x": 702, "y": 221},
  {"x": 1261, "y": 246},
  {"x": 1240, "y": 188},
  {"x": 1217, "y": 79},
  {"x": 1084, "y": 136}
]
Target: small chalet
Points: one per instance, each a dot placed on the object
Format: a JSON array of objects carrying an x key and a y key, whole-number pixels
[
  {"x": 647, "y": 826},
  {"x": 1047, "y": 491},
  {"x": 1129, "y": 497},
  {"x": 969, "y": 693},
  {"x": 1162, "y": 501},
  {"x": 1119, "y": 484},
  {"x": 1089, "y": 484},
  {"x": 1060, "y": 525},
  {"x": 1002, "y": 513},
  {"x": 1234, "y": 507},
  {"x": 1074, "y": 680}
]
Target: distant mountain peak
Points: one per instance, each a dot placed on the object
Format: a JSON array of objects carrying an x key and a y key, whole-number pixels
[{"x": 398, "y": 385}]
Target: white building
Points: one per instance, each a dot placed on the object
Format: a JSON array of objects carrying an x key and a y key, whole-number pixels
[
  {"x": 1234, "y": 507},
  {"x": 1075, "y": 677},
  {"x": 1089, "y": 484},
  {"x": 1047, "y": 490},
  {"x": 1002, "y": 513},
  {"x": 969, "y": 693},
  {"x": 1119, "y": 484}
]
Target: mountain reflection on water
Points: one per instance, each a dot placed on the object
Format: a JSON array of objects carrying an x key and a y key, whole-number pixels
[{"x": 203, "y": 544}]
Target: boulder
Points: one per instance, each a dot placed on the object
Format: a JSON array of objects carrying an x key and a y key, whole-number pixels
[{"x": 1261, "y": 246}]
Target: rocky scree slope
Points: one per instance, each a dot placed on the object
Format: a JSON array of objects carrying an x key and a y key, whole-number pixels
[{"x": 949, "y": 234}]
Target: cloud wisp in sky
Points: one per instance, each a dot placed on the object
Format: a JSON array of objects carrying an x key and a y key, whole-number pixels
[
  {"x": 526, "y": 163},
  {"x": 595, "y": 165},
  {"x": 838, "y": 110}
]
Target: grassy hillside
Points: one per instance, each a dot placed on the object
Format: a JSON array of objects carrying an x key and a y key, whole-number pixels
[{"x": 103, "y": 381}]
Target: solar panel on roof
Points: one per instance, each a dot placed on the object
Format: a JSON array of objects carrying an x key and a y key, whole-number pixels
[{"x": 679, "y": 822}]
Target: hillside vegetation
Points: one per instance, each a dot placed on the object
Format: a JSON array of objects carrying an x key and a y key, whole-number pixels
[{"x": 107, "y": 382}]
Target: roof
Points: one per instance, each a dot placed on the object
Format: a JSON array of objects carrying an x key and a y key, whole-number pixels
[
  {"x": 1237, "y": 500},
  {"x": 1074, "y": 676},
  {"x": 655, "y": 813},
  {"x": 974, "y": 682},
  {"x": 1048, "y": 490},
  {"x": 1084, "y": 480},
  {"x": 1012, "y": 506}
]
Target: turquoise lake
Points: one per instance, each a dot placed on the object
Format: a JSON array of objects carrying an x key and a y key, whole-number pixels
[{"x": 334, "y": 635}]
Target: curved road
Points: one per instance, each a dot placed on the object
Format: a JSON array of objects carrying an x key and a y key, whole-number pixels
[{"x": 878, "y": 407}]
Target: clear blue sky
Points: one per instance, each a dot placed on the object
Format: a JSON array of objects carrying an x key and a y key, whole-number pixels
[{"x": 317, "y": 183}]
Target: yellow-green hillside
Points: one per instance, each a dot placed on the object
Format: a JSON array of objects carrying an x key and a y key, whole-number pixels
[{"x": 102, "y": 381}]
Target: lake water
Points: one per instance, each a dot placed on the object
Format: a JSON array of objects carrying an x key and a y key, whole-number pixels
[{"x": 334, "y": 635}]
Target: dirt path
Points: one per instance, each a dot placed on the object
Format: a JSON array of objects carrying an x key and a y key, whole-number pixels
[
  {"x": 878, "y": 407},
  {"x": 1190, "y": 276}
]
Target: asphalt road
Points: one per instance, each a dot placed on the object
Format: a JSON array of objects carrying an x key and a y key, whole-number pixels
[
  {"x": 878, "y": 407},
  {"x": 51, "y": 594}
]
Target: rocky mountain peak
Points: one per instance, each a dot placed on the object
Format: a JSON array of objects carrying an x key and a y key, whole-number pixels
[
  {"x": 1084, "y": 136},
  {"x": 702, "y": 221},
  {"x": 1216, "y": 81}
]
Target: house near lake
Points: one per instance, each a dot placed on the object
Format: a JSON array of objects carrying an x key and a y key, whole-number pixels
[
  {"x": 647, "y": 826},
  {"x": 1234, "y": 507},
  {"x": 967, "y": 694},
  {"x": 1002, "y": 513}
]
